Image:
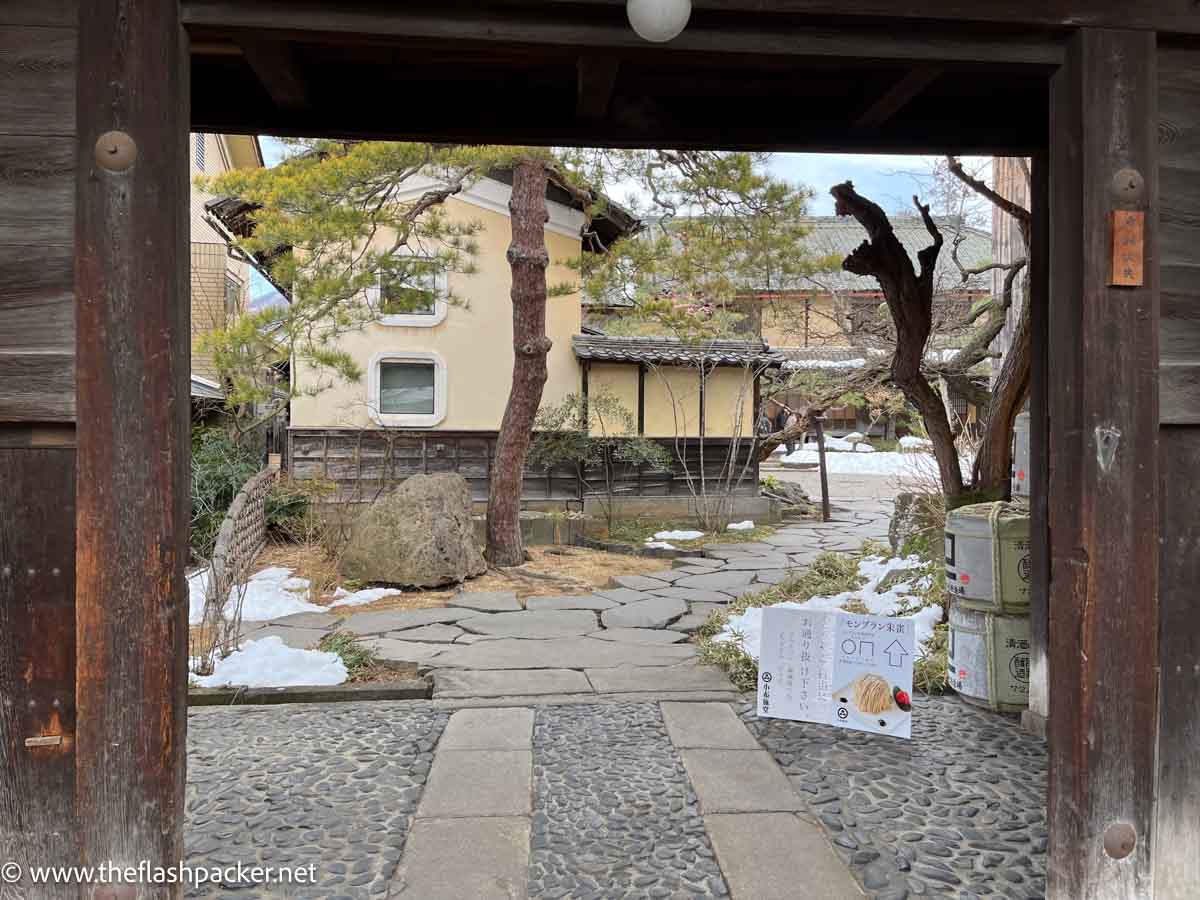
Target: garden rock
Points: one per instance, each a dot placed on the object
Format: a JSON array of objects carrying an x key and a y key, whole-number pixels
[{"x": 420, "y": 535}]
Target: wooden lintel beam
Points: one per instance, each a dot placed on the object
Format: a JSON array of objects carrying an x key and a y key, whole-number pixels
[
  {"x": 275, "y": 65},
  {"x": 597, "y": 76},
  {"x": 356, "y": 21},
  {"x": 897, "y": 97}
]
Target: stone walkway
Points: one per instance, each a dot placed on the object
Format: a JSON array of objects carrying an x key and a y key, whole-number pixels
[
  {"x": 629, "y": 639},
  {"x": 576, "y": 749}
]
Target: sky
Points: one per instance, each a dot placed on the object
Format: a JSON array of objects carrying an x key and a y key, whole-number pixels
[{"x": 888, "y": 180}]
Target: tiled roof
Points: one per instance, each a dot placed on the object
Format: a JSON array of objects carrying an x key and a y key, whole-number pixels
[
  {"x": 840, "y": 235},
  {"x": 671, "y": 352},
  {"x": 203, "y": 389}
]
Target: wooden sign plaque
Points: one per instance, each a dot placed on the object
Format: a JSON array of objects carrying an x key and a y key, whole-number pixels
[{"x": 1128, "y": 230}]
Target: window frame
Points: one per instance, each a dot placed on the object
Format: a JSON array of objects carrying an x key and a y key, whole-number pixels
[
  {"x": 407, "y": 420},
  {"x": 418, "y": 320}
]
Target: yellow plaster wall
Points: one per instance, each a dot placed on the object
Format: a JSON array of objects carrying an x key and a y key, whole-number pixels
[
  {"x": 729, "y": 402},
  {"x": 784, "y": 325},
  {"x": 620, "y": 380},
  {"x": 475, "y": 340}
]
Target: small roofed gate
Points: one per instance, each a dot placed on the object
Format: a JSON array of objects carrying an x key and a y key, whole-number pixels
[{"x": 94, "y": 339}]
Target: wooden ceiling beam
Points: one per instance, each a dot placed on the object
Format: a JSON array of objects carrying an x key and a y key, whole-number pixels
[
  {"x": 897, "y": 97},
  {"x": 275, "y": 66},
  {"x": 361, "y": 21},
  {"x": 597, "y": 77}
]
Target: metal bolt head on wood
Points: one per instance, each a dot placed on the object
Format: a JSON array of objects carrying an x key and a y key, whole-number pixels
[{"x": 115, "y": 151}]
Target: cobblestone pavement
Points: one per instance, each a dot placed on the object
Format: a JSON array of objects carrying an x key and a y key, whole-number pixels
[
  {"x": 331, "y": 785},
  {"x": 959, "y": 811},
  {"x": 614, "y": 814}
]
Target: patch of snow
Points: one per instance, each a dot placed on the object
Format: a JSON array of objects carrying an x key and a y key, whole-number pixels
[
  {"x": 272, "y": 594},
  {"x": 678, "y": 535},
  {"x": 343, "y": 597},
  {"x": 271, "y": 663},
  {"x": 863, "y": 448},
  {"x": 197, "y": 590},
  {"x": 832, "y": 444},
  {"x": 746, "y": 629},
  {"x": 854, "y": 437},
  {"x": 659, "y": 545},
  {"x": 912, "y": 442},
  {"x": 878, "y": 463},
  {"x": 824, "y": 363},
  {"x": 747, "y": 525}
]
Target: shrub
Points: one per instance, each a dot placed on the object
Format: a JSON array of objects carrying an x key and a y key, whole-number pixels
[
  {"x": 930, "y": 673},
  {"x": 220, "y": 466}
]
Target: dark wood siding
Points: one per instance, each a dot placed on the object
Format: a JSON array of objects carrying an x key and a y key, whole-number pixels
[
  {"x": 363, "y": 464},
  {"x": 1177, "y": 837}
]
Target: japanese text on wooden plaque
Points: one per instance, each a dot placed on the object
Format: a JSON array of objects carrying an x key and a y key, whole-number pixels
[{"x": 1128, "y": 234}]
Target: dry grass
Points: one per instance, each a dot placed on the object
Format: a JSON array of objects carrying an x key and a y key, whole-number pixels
[{"x": 551, "y": 571}]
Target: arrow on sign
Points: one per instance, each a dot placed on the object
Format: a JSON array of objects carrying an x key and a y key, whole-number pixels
[{"x": 894, "y": 649}]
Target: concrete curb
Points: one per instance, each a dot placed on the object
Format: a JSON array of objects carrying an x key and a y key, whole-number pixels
[{"x": 406, "y": 689}]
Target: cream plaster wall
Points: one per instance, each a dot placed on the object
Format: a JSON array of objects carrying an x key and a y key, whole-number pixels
[
  {"x": 474, "y": 340},
  {"x": 619, "y": 380}
]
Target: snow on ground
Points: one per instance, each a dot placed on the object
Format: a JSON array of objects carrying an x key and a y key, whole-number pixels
[
  {"x": 747, "y": 525},
  {"x": 746, "y": 629},
  {"x": 343, "y": 597},
  {"x": 678, "y": 535},
  {"x": 878, "y": 463},
  {"x": 912, "y": 442},
  {"x": 659, "y": 545},
  {"x": 269, "y": 594},
  {"x": 824, "y": 363},
  {"x": 269, "y": 662}
]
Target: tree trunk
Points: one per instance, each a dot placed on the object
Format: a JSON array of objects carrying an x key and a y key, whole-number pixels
[
  {"x": 994, "y": 461},
  {"x": 528, "y": 258}
]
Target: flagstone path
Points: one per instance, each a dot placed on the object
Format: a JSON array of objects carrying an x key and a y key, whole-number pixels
[
  {"x": 628, "y": 639},
  {"x": 570, "y": 756}
]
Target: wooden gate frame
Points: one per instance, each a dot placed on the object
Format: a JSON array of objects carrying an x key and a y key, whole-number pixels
[{"x": 92, "y": 754}]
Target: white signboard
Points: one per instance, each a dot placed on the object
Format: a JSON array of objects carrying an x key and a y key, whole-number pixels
[{"x": 837, "y": 668}]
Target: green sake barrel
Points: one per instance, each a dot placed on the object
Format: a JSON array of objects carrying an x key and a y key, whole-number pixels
[
  {"x": 987, "y": 557},
  {"x": 988, "y": 661}
]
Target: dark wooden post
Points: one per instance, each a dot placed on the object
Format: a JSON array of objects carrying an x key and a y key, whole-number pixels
[
  {"x": 819, "y": 421},
  {"x": 1104, "y": 514},
  {"x": 37, "y": 441},
  {"x": 132, "y": 351}
]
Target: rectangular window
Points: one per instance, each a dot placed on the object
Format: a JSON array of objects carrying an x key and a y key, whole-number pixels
[
  {"x": 416, "y": 295},
  {"x": 406, "y": 388},
  {"x": 200, "y": 152}
]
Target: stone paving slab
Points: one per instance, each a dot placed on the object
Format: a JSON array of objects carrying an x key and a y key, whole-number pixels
[
  {"x": 621, "y": 595},
  {"x": 583, "y": 601},
  {"x": 653, "y": 612},
  {"x": 690, "y": 623},
  {"x": 704, "y": 726},
  {"x": 636, "y": 582},
  {"x": 487, "y": 601},
  {"x": 755, "y": 563},
  {"x": 465, "y": 859},
  {"x": 489, "y": 729},
  {"x": 534, "y": 624},
  {"x": 567, "y": 653},
  {"x": 401, "y": 620},
  {"x": 722, "y": 551},
  {"x": 508, "y": 682},
  {"x": 778, "y": 856},
  {"x": 776, "y": 576},
  {"x": 323, "y": 621},
  {"x": 739, "y": 781},
  {"x": 478, "y": 783},
  {"x": 394, "y": 650},
  {"x": 433, "y": 634},
  {"x": 300, "y": 638},
  {"x": 666, "y": 679},
  {"x": 640, "y": 635},
  {"x": 696, "y": 595},
  {"x": 705, "y": 562},
  {"x": 729, "y": 582}
]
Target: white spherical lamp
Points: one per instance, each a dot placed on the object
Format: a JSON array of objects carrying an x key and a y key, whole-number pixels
[{"x": 658, "y": 20}]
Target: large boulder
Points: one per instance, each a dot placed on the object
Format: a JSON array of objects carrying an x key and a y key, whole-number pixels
[{"x": 421, "y": 535}]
